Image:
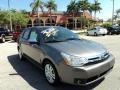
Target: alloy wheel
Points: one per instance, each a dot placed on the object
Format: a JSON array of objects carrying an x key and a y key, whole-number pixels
[{"x": 50, "y": 73}]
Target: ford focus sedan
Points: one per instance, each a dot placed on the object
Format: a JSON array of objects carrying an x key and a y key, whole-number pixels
[{"x": 64, "y": 56}]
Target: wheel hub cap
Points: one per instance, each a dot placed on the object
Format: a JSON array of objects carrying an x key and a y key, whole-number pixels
[{"x": 49, "y": 73}]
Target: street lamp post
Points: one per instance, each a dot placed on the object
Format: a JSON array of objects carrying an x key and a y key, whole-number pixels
[
  {"x": 10, "y": 15},
  {"x": 113, "y": 13}
]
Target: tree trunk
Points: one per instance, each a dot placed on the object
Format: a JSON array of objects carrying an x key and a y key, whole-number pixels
[
  {"x": 73, "y": 20},
  {"x": 38, "y": 17},
  {"x": 95, "y": 18},
  {"x": 95, "y": 15},
  {"x": 81, "y": 22},
  {"x": 83, "y": 19},
  {"x": 75, "y": 23},
  {"x": 50, "y": 18}
]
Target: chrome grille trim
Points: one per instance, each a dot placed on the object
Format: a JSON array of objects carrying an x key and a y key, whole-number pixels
[{"x": 99, "y": 57}]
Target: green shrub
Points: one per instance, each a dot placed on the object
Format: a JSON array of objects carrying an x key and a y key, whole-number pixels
[{"x": 106, "y": 25}]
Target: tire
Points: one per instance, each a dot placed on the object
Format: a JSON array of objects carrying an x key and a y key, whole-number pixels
[
  {"x": 95, "y": 34},
  {"x": 3, "y": 39},
  {"x": 20, "y": 55},
  {"x": 87, "y": 34},
  {"x": 110, "y": 33},
  {"x": 50, "y": 73},
  {"x": 117, "y": 33}
]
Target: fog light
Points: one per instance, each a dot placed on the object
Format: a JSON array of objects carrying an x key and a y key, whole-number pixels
[{"x": 79, "y": 81}]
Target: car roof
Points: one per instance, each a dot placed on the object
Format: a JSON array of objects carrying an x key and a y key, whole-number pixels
[{"x": 44, "y": 27}]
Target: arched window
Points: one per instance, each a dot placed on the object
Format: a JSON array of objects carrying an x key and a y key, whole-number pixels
[
  {"x": 38, "y": 22},
  {"x": 48, "y": 22},
  {"x": 29, "y": 23}
]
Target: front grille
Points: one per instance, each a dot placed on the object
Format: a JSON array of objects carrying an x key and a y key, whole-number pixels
[{"x": 98, "y": 59}]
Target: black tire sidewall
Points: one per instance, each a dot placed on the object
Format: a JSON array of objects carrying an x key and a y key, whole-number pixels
[
  {"x": 3, "y": 38},
  {"x": 95, "y": 34}
]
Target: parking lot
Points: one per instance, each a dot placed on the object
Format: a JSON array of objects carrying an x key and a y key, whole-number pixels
[{"x": 23, "y": 75}]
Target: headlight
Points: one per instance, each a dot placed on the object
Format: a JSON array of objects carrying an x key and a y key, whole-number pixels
[{"x": 74, "y": 60}]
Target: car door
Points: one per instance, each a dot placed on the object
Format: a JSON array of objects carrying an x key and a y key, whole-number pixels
[
  {"x": 91, "y": 31},
  {"x": 24, "y": 41},
  {"x": 34, "y": 46}
]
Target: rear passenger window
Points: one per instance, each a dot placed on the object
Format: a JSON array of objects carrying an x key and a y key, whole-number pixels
[
  {"x": 26, "y": 34},
  {"x": 33, "y": 36}
]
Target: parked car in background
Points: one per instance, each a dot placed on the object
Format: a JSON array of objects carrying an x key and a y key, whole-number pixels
[
  {"x": 15, "y": 34},
  {"x": 3, "y": 34},
  {"x": 97, "y": 31},
  {"x": 64, "y": 56},
  {"x": 113, "y": 30}
]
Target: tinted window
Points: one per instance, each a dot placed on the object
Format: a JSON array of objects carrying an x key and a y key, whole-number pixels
[
  {"x": 33, "y": 36},
  {"x": 1, "y": 29},
  {"x": 26, "y": 34}
]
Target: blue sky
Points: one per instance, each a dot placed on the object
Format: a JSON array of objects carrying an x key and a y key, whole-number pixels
[{"x": 105, "y": 13}]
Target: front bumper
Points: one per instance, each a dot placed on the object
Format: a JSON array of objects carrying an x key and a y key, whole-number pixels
[{"x": 87, "y": 74}]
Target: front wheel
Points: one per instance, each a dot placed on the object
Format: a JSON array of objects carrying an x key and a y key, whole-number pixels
[
  {"x": 95, "y": 34},
  {"x": 50, "y": 73},
  {"x": 3, "y": 39},
  {"x": 110, "y": 33},
  {"x": 87, "y": 34},
  {"x": 20, "y": 55}
]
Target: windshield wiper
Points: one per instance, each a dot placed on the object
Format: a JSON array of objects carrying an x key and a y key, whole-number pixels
[
  {"x": 72, "y": 39},
  {"x": 52, "y": 41}
]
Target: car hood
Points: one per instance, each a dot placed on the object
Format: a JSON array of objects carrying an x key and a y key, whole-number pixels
[{"x": 82, "y": 48}]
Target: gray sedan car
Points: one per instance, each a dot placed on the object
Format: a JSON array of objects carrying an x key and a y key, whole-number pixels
[{"x": 64, "y": 56}]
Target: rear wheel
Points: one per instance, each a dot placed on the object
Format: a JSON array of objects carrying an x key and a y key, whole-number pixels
[
  {"x": 110, "y": 33},
  {"x": 50, "y": 73}
]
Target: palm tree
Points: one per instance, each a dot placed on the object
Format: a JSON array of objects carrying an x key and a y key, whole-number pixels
[
  {"x": 96, "y": 7},
  {"x": 73, "y": 8},
  {"x": 84, "y": 5},
  {"x": 35, "y": 5},
  {"x": 23, "y": 11},
  {"x": 118, "y": 12},
  {"x": 90, "y": 9},
  {"x": 50, "y": 5}
]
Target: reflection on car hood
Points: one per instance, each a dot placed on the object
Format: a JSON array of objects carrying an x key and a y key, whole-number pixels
[{"x": 82, "y": 48}]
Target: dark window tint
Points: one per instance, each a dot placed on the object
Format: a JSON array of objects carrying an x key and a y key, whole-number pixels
[
  {"x": 1, "y": 29},
  {"x": 33, "y": 36},
  {"x": 26, "y": 34}
]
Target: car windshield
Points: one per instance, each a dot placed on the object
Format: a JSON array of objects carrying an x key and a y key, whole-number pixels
[
  {"x": 58, "y": 34},
  {"x": 116, "y": 27},
  {"x": 100, "y": 27}
]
